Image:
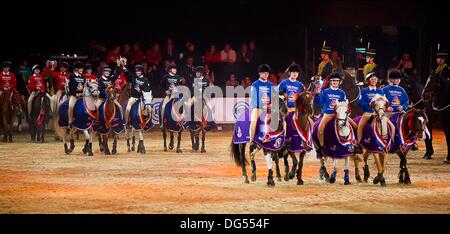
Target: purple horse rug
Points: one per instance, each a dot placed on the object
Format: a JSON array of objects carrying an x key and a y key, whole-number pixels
[
  {"x": 402, "y": 142},
  {"x": 334, "y": 145},
  {"x": 372, "y": 140},
  {"x": 103, "y": 124},
  {"x": 265, "y": 137},
  {"x": 297, "y": 140},
  {"x": 83, "y": 118}
]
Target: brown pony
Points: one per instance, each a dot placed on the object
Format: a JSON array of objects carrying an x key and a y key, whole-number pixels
[
  {"x": 39, "y": 116},
  {"x": 11, "y": 106}
]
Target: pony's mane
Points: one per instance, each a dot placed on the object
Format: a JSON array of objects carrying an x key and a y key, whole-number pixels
[{"x": 378, "y": 97}]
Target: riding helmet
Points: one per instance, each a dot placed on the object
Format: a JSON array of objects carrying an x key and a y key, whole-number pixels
[
  {"x": 6, "y": 64},
  {"x": 294, "y": 68},
  {"x": 395, "y": 75},
  {"x": 200, "y": 69},
  {"x": 36, "y": 66},
  {"x": 78, "y": 65},
  {"x": 264, "y": 68},
  {"x": 335, "y": 76}
]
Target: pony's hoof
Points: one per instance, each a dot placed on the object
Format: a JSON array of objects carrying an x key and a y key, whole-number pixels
[
  {"x": 107, "y": 152},
  {"x": 300, "y": 182},
  {"x": 358, "y": 178},
  {"x": 346, "y": 182},
  {"x": 286, "y": 178},
  {"x": 84, "y": 151},
  {"x": 407, "y": 181},
  {"x": 90, "y": 154},
  {"x": 332, "y": 178},
  {"x": 279, "y": 179},
  {"x": 291, "y": 175},
  {"x": 203, "y": 150},
  {"x": 253, "y": 178},
  {"x": 179, "y": 151},
  {"x": 271, "y": 183},
  {"x": 165, "y": 149},
  {"x": 171, "y": 147},
  {"x": 133, "y": 148},
  {"x": 114, "y": 151},
  {"x": 128, "y": 150},
  {"x": 382, "y": 182},
  {"x": 246, "y": 180},
  {"x": 376, "y": 180}
]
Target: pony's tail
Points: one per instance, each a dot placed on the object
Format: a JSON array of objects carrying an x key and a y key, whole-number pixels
[{"x": 235, "y": 154}]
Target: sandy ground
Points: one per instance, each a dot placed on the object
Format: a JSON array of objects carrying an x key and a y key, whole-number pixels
[{"x": 40, "y": 178}]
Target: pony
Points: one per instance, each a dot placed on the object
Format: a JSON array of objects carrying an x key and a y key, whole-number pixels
[
  {"x": 201, "y": 121},
  {"x": 109, "y": 117},
  {"x": 377, "y": 139},
  {"x": 39, "y": 116},
  {"x": 141, "y": 115},
  {"x": 85, "y": 112},
  {"x": 172, "y": 120},
  {"x": 12, "y": 105},
  {"x": 339, "y": 142},
  {"x": 299, "y": 126},
  {"x": 271, "y": 140}
]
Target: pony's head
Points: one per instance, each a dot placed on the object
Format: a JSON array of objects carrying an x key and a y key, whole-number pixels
[
  {"x": 417, "y": 120},
  {"x": 17, "y": 102},
  {"x": 282, "y": 106},
  {"x": 342, "y": 113},
  {"x": 110, "y": 93},
  {"x": 304, "y": 102},
  {"x": 379, "y": 105},
  {"x": 91, "y": 89},
  {"x": 147, "y": 99}
]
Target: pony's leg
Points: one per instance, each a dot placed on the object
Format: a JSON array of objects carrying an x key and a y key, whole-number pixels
[
  {"x": 114, "y": 146},
  {"x": 86, "y": 146},
  {"x": 197, "y": 140},
  {"x": 323, "y": 169},
  {"x": 133, "y": 139},
  {"x": 379, "y": 178},
  {"x": 366, "y": 166},
  {"x": 192, "y": 139},
  {"x": 356, "y": 159},
  {"x": 300, "y": 168},
  {"x": 294, "y": 165},
  {"x": 179, "y": 143},
  {"x": 127, "y": 134},
  {"x": 66, "y": 148},
  {"x": 253, "y": 164},
  {"x": 241, "y": 151},
  {"x": 401, "y": 173},
  {"x": 165, "y": 138},
  {"x": 346, "y": 172},
  {"x": 276, "y": 159},
  {"x": 88, "y": 136},
  {"x": 286, "y": 164},
  {"x": 141, "y": 146},
  {"x": 100, "y": 142},
  {"x": 105, "y": 145},
  {"x": 269, "y": 163},
  {"x": 171, "y": 140},
  {"x": 335, "y": 169},
  {"x": 72, "y": 142},
  {"x": 203, "y": 150}
]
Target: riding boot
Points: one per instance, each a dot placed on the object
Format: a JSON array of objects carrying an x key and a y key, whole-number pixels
[{"x": 346, "y": 177}]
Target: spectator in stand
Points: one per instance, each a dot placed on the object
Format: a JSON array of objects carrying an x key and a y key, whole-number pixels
[
  {"x": 243, "y": 61},
  {"x": 212, "y": 55},
  {"x": 228, "y": 55},
  {"x": 187, "y": 70},
  {"x": 405, "y": 62},
  {"x": 127, "y": 53},
  {"x": 97, "y": 52},
  {"x": 255, "y": 58},
  {"x": 137, "y": 56},
  {"x": 191, "y": 52},
  {"x": 23, "y": 72},
  {"x": 209, "y": 74},
  {"x": 246, "y": 82},
  {"x": 281, "y": 76},
  {"x": 170, "y": 53},
  {"x": 274, "y": 79},
  {"x": 232, "y": 81},
  {"x": 154, "y": 56},
  {"x": 113, "y": 55},
  {"x": 337, "y": 62}
]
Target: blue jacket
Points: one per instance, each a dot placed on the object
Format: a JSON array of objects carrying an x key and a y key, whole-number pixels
[
  {"x": 261, "y": 94},
  {"x": 396, "y": 96},
  {"x": 291, "y": 89},
  {"x": 327, "y": 99},
  {"x": 366, "y": 96}
]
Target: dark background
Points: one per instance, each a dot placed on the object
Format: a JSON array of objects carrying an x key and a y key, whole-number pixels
[{"x": 279, "y": 28}]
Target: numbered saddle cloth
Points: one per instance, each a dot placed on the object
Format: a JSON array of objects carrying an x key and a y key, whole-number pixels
[
  {"x": 372, "y": 138},
  {"x": 105, "y": 123},
  {"x": 298, "y": 140},
  {"x": 335, "y": 146},
  {"x": 265, "y": 136}
]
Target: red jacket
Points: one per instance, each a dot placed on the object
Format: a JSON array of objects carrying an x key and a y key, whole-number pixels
[
  {"x": 36, "y": 82},
  {"x": 90, "y": 77},
  {"x": 120, "y": 82},
  {"x": 138, "y": 57},
  {"x": 7, "y": 81},
  {"x": 59, "y": 77},
  {"x": 212, "y": 58}
]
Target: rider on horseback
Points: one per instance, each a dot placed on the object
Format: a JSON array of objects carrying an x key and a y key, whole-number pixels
[
  {"x": 7, "y": 79},
  {"x": 104, "y": 81},
  {"x": 60, "y": 78},
  {"x": 260, "y": 99},
  {"x": 139, "y": 84},
  {"x": 396, "y": 95},
  {"x": 170, "y": 83},
  {"x": 365, "y": 101},
  {"x": 36, "y": 85},
  {"x": 328, "y": 99},
  {"x": 88, "y": 73},
  {"x": 76, "y": 86},
  {"x": 199, "y": 84},
  {"x": 291, "y": 87}
]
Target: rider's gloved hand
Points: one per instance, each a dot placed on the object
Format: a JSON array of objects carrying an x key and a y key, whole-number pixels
[{"x": 390, "y": 109}]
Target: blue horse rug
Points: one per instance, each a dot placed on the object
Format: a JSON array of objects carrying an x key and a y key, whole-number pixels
[
  {"x": 265, "y": 137},
  {"x": 298, "y": 140},
  {"x": 83, "y": 118},
  {"x": 138, "y": 119},
  {"x": 372, "y": 140},
  {"x": 177, "y": 124},
  {"x": 104, "y": 124},
  {"x": 402, "y": 142},
  {"x": 334, "y": 145}
]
